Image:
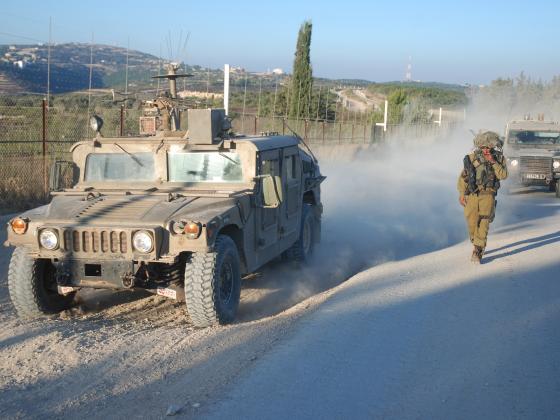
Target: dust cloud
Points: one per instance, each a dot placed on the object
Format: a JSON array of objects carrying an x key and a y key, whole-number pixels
[
  {"x": 389, "y": 202},
  {"x": 382, "y": 203}
]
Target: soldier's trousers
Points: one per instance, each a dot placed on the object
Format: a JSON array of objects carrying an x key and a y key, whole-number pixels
[{"x": 479, "y": 213}]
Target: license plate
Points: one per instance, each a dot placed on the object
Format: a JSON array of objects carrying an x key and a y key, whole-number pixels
[
  {"x": 535, "y": 176},
  {"x": 64, "y": 290},
  {"x": 170, "y": 293}
]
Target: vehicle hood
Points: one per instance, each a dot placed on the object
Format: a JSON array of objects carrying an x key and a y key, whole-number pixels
[{"x": 127, "y": 211}]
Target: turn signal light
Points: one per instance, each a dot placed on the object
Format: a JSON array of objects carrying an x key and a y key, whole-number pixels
[
  {"x": 19, "y": 225},
  {"x": 192, "y": 230}
]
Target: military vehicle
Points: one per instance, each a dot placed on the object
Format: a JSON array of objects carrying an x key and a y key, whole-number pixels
[
  {"x": 532, "y": 148},
  {"x": 184, "y": 214}
]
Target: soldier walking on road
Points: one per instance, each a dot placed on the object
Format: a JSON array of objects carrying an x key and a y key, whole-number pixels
[{"x": 478, "y": 185}]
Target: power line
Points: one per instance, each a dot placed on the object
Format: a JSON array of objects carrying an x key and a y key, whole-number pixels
[{"x": 23, "y": 37}]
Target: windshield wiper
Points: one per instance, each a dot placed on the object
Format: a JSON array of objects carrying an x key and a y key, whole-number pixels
[
  {"x": 228, "y": 158},
  {"x": 134, "y": 158}
]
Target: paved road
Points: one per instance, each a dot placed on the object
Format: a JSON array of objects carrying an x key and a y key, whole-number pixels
[{"x": 429, "y": 337}]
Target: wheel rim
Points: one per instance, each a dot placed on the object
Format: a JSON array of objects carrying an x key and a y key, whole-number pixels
[
  {"x": 226, "y": 282},
  {"x": 306, "y": 237}
]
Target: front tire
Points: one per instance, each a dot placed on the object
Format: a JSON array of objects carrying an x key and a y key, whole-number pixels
[
  {"x": 213, "y": 284},
  {"x": 32, "y": 287},
  {"x": 302, "y": 249}
]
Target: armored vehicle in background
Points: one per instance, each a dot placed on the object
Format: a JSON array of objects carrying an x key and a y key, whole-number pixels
[
  {"x": 532, "y": 148},
  {"x": 184, "y": 214}
]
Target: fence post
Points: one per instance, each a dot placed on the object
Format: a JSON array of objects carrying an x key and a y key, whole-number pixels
[
  {"x": 352, "y": 140},
  {"x": 122, "y": 121},
  {"x": 323, "y": 132},
  {"x": 255, "y": 129},
  {"x": 305, "y": 130},
  {"x": 339, "y": 133},
  {"x": 283, "y": 126},
  {"x": 44, "y": 142}
]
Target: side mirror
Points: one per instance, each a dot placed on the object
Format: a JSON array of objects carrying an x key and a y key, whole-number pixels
[
  {"x": 63, "y": 174},
  {"x": 271, "y": 191}
]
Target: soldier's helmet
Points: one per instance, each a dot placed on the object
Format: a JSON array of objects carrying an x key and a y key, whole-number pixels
[{"x": 488, "y": 139}]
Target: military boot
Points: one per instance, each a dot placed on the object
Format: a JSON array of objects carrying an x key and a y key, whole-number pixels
[{"x": 477, "y": 254}]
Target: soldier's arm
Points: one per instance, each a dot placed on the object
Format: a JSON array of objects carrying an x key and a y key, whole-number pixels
[
  {"x": 500, "y": 168},
  {"x": 461, "y": 184}
]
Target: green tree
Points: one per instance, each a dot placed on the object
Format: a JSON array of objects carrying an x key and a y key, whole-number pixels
[
  {"x": 302, "y": 79},
  {"x": 397, "y": 101}
]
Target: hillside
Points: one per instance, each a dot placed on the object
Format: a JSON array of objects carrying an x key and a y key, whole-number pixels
[{"x": 23, "y": 68}]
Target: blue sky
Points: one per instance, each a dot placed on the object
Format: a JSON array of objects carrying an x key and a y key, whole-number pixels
[{"x": 458, "y": 42}]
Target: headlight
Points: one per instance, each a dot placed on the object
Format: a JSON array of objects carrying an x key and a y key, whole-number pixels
[
  {"x": 556, "y": 164},
  {"x": 48, "y": 239},
  {"x": 143, "y": 241},
  {"x": 19, "y": 225},
  {"x": 514, "y": 162},
  {"x": 96, "y": 123}
]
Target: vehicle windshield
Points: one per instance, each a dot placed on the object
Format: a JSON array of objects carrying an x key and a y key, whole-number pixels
[
  {"x": 133, "y": 167},
  {"x": 533, "y": 137},
  {"x": 204, "y": 167}
]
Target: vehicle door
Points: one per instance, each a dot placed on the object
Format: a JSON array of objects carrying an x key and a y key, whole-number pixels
[
  {"x": 290, "y": 212},
  {"x": 267, "y": 219}
]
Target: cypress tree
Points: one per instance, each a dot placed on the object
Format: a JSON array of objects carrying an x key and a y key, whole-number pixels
[{"x": 302, "y": 78}]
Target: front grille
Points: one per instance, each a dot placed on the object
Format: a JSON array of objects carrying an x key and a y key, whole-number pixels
[
  {"x": 96, "y": 241},
  {"x": 535, "y": 165}
]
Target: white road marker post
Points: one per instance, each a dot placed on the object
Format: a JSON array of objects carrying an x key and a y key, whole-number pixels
[
  {"x": 384, "y": 123},
  {"x": 438, "y": 122},
  {"x": 226, "y": 88}
]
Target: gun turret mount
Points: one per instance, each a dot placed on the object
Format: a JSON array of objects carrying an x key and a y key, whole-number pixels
[{"x": 172, "y": 76}]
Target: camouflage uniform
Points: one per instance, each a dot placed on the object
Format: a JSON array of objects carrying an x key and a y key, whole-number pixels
[{"x": 480, "y": 204}]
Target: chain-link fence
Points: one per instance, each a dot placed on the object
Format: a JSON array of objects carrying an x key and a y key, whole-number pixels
[
  {"x": 32, "y": 138},
  {"x": 332, "y": 132}
]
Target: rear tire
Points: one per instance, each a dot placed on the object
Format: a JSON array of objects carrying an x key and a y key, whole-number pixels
[
  {"x": 213, "y": 284},
  {"x": 32, "y": 287},
  {"x": 302, "y": 249}
]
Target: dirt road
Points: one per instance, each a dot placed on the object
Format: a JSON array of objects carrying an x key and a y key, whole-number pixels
[{"x": 421, "y": 333}]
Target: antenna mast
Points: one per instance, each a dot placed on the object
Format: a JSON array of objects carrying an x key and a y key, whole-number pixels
[
  {"x": 49, "y": 64},
  {"x": 126, "y": 70},
  {"x": 408, "y": 75}
]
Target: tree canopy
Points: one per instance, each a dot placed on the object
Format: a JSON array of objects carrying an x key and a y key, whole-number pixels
[{"x": 302, "y": 79}]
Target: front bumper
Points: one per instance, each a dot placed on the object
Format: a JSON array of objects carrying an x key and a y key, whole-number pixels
[
  {"x": 533, "y": 170},
  {"x": 97, "y": 274}
]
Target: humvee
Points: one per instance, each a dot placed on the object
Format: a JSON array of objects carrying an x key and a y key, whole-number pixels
[
  {"x": 184, "y": 214},
  {"x": 532, "y": 148}
]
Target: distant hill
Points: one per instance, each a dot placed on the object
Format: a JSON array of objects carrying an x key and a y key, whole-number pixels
[{"x": 23, "y": 68}]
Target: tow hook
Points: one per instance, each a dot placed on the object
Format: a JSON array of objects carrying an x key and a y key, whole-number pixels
[{"x": 128, "y": 280}]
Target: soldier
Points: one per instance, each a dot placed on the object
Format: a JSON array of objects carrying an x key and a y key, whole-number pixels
[{"x": 478, "y": 185}]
